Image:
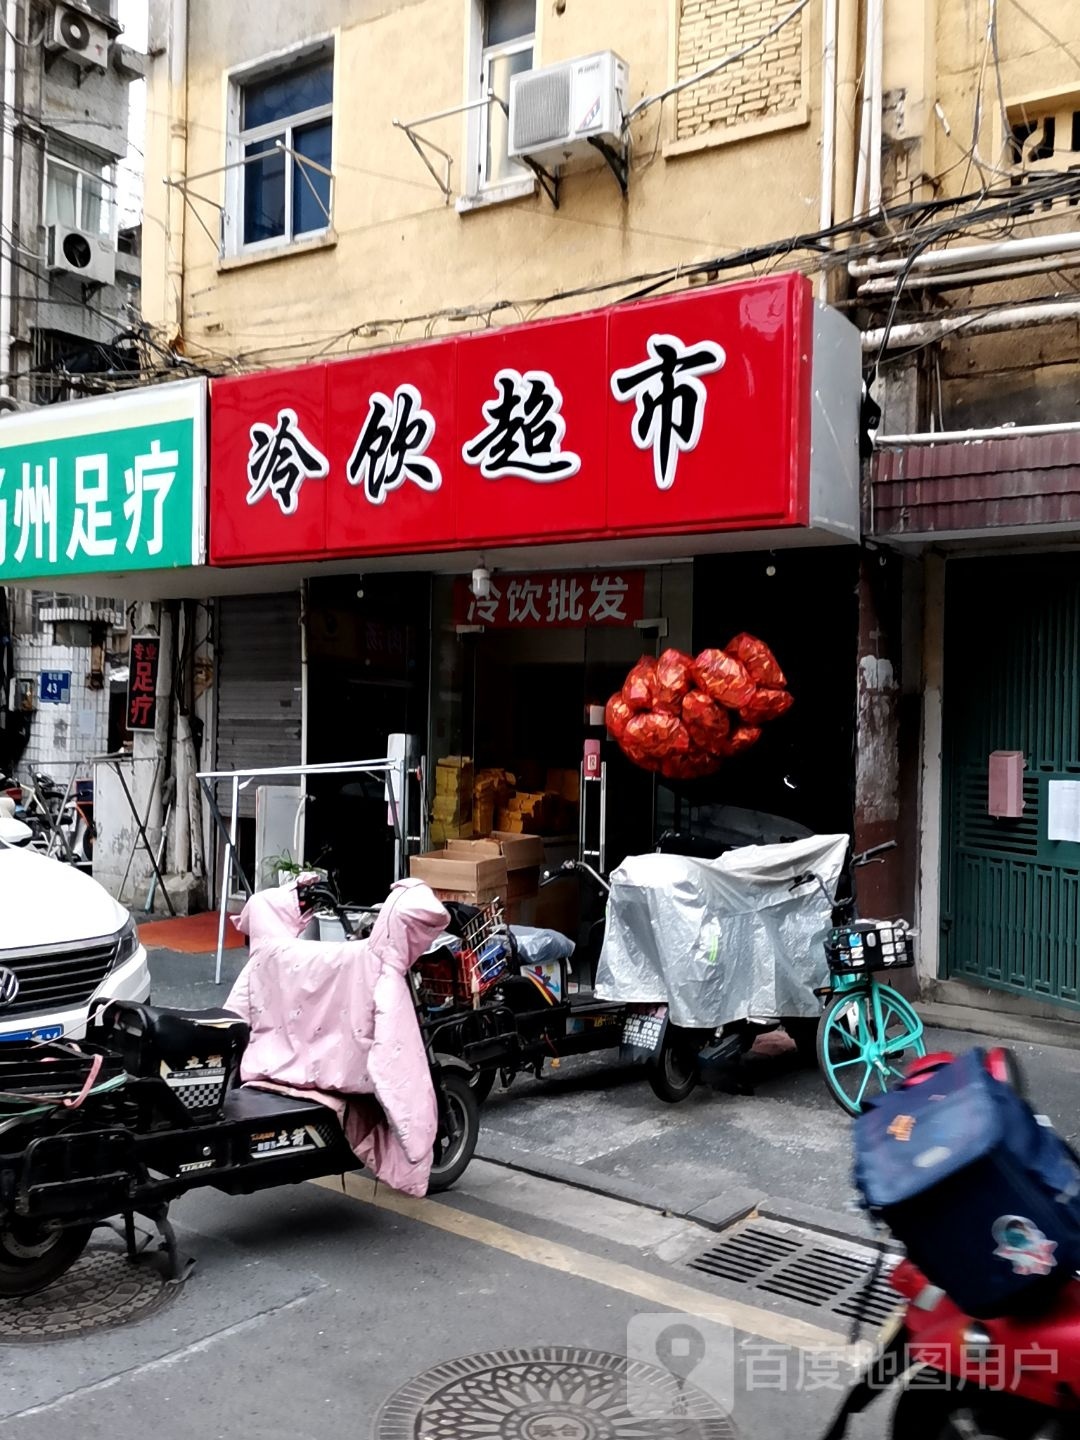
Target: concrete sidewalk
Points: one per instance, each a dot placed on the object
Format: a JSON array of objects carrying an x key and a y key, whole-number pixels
[{"x": 783, "y": 1149}]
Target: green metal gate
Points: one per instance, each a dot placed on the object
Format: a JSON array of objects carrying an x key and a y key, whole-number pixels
[{"x": 1010, "y": 895}]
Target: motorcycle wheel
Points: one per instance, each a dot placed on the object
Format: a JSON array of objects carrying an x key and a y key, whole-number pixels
[
  {"x": 673, "y": 1074},
  {"x": 482, "y": 1083},
  {"x": 454, "y": 1151},
  {"x": 936, "y": 1413},
  {"x": 32, "y": 1257}
]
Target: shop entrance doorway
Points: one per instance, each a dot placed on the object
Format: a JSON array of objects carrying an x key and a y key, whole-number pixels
[
  {"x": 367, "y": 657},
  {"x": 520, "y": 678},
  {"x": 537, "y": 698}
]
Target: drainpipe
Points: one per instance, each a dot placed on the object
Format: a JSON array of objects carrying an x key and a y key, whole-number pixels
[
  {"x": 830, "y": 28},
  {"x": 874, "y": 198},
  {"x": 1011, "y": 317},
  {"x": 865, "y": 123},
  {"x": 965, "y": 437},
  {"x": 177, "y": 61},
  {"x": 847, "y": 92},
  {"x": 1028, "y": 247},
  {"x": 7, "y": 198}
]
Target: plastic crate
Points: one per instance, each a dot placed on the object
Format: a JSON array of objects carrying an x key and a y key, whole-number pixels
[{"x": 867, "y": 946}]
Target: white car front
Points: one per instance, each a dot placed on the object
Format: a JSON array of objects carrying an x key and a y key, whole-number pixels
[{"x": 68, "y": 943}]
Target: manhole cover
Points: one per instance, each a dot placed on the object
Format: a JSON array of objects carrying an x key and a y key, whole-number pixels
[
  {"x": 800, "y": 1265},
  {"x": 102, "y": 1289},
  {"x": 554, "y": 1393}
]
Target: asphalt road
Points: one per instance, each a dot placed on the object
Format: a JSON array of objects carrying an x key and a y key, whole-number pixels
[
  {"x": 536, "y": 1302},
  {"x": 310, "y": 1309}
]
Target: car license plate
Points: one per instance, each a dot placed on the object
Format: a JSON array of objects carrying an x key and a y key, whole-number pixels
[{"x": 46, "y": 1032}]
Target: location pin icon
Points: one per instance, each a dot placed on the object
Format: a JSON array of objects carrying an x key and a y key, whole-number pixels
[{"x": 680, "y": 1349}]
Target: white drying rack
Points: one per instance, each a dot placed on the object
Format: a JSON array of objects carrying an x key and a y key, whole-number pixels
[{"x": 394, "y": 771}]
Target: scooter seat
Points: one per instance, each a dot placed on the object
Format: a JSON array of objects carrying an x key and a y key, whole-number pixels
[{"x": 178, "y": 1034}]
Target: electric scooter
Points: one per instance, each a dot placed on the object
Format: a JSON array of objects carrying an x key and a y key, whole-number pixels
[
  {"x": 1007, "y": 1377},
  {"x": 148, "y": 1107}
]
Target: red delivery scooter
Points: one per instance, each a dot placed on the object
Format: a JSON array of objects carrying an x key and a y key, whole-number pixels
[{"x": 987, "y": 1350}]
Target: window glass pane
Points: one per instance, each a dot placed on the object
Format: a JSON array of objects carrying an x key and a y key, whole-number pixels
[
  {"x": 508, "y": 20},
  {"x": 288, "y": 93},
  {"x": 313, "y": 141},
  {"x": 60, "y": 196},
  {"x": 95, "y": 210},
  {"x": 264, "y": 193},
  {"x": 499, "y": 70}
]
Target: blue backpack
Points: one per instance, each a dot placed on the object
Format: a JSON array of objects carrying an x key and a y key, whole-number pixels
[{"x": 984, "y": 1196}]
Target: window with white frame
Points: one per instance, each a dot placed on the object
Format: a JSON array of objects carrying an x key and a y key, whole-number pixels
[
  {"x": 78, "y": 189},
  {"x": 507, "y": 33},
  {"x": 282, "y": 184}
]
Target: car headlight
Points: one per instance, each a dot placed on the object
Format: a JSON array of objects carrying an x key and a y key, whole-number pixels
[{"x": 127, "y": 943}]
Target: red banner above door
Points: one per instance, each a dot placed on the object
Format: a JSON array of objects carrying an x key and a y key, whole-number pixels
[{"x": 561, "y": 601}]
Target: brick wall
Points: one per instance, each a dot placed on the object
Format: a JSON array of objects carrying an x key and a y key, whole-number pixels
[{"x": 767, "y": 83}]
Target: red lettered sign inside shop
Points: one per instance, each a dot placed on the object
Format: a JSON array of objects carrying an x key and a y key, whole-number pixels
[
  {"x": 681, "y": 415},
  {"x": 562, "y": 601},
  {"x": 142, "y": 682}
]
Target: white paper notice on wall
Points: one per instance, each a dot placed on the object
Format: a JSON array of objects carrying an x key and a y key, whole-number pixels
[
  {"x": 85, "y": 722},
  {"x": 1063, "y": 810}
]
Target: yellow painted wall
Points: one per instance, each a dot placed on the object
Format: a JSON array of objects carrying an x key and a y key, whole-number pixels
[
  {"x": 400, "y": 252},
  {"x": 711, "y": 172}
]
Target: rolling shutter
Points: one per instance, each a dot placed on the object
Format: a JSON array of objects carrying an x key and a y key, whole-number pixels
[{"x": 259, "y": 679}]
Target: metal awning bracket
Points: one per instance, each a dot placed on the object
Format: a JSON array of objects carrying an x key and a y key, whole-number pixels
[
  {"x": 618, "y": 159},
  {"x": 423, "y": 146},
  {"x": 189, "y": 198},
  {"x": 548, "y": 181}
]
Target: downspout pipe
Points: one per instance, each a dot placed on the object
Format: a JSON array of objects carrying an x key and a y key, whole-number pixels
[
  {"x": 876, "y": 102},
  {"x": 177, "y": 160},
  {"x": 830, "y": 28},
  {"x": 7, "y": 200}
]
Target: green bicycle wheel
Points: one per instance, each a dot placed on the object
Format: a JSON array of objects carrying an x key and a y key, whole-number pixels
[{"x": 865, "y": 1039}]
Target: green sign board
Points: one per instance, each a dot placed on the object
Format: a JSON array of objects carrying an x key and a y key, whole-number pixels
[{"x": 104, "y": 486}]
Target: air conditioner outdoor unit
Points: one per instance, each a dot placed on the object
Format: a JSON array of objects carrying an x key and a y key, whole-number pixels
[
  {"x": 557, "y": 111},
  {"x": 79, "y": 252},
  {"x": 78, "y": 36}
]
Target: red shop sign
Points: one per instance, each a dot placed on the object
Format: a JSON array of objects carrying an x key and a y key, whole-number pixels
[
  {"x": 142, "y": 682},
  {"x": 681, "y": 415},
  {"x": 561, "y": 601}
]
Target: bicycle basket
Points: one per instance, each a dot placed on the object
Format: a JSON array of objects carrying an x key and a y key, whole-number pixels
[
  {"x": 869, "y": 945},
  {"x": 450, "y": 978}
]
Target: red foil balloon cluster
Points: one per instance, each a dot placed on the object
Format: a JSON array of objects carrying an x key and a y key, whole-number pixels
[{"x": 684, "y": 716}]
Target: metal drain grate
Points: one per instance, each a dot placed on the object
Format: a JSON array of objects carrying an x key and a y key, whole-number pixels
[{"x": 795, "y": 1264}]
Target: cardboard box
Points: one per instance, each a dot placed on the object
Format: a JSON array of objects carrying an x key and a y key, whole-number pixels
[
  {"x": 474, "y": 897},
  {"x": 465, "y": 870},
  {"x": 565, "y": 783},
  {"x": 555, "y": 907},
  {"x": 522, "y": 852}
]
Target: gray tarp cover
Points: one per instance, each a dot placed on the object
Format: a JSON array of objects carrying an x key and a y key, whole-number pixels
[{"x": 721, "y": 940}]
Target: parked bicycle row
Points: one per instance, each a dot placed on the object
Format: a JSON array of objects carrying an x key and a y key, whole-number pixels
[{"x": 58, "y": 817}]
